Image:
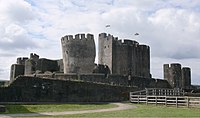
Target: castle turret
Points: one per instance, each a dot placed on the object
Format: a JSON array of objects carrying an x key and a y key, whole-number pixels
[
  {"x": 30, "y": 64},
  {"x": 176, "y": 76},
  {"x": 18, "y": 68},
  {"x": 78, "y": 53},
  {"x": 186, "y": 77}
]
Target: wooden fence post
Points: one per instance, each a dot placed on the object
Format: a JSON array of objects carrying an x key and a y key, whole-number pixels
[
  {"x": 146, "y": 100},
  {"x": 188, "y": 102}
]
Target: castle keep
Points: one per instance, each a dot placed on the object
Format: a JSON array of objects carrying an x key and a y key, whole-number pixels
[
  {"x": 124, "y": 57},
  {"x": 123, "y": 66}
]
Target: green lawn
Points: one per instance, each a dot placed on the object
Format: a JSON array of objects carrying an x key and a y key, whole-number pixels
[
  {"x": 12, "y": 109},
  {"x": 147, "y": 111},
  {"x": 142, "y": 111}
]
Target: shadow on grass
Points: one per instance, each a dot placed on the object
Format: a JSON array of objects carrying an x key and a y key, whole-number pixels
[
  {"x": 57, "y": 107},
  {"x": 15, "y": 109}
]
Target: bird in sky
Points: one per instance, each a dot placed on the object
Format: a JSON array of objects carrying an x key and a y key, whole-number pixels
[
  {"x": 107, "y": 25},
  {"x": 136, "y": 34}
]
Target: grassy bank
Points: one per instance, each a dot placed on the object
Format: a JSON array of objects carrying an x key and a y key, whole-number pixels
[{"x": 12, "y": 109}]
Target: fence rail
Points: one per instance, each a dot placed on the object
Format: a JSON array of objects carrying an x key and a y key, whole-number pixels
[
  {"x": 178, "y": 101},
  {"x": 160, "y": 92}
]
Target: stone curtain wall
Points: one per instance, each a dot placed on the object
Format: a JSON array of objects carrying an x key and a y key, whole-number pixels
[
  {"x": 33, "y": 89},
  {"x": 118, "y": 80}
]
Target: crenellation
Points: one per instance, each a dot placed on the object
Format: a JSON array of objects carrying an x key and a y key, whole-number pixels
[
  {"x": 115, "y": 38},
  {"x": 119, "y": 42},
  {"x": 82, "y": 36},
  {"x": 128, "y": 42},
  {"x": 144, "y": 47},
  {"x": 70, "y": 37},
  {"x": 90, "y": 37},
  {"x": 77, "y": 37},
  {"x": 21, "y": 60},
  {"x": 103, "y": 35}
]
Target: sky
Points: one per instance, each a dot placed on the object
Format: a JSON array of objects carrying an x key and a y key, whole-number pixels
[{"x": 170, "y": 27}]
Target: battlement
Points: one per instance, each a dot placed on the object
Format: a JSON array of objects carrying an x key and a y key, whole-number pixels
[
  {"x": 143, "y": 47},
  {"x": 107, "y": 36},
  {"x": 175, "y": 65},
  {"x": 77, "y": 37},
  {"x": 21, "y": 60},
  {"x": 34, "y": 56},
  {"x": 186, "y": 68},
  {"x": 130, "y": 42}
]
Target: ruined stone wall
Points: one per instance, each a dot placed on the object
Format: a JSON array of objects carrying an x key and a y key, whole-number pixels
[
  {"x": 60, "y": 65},
  {"x": 30, "y": 67},
  {"x": 44, "y": 65},
  {"x": 16, "y": 70},
  {"x": 34, "y": 57},
  {"x": 78, "y": 53},
  {"x": 124, "y": 58}
]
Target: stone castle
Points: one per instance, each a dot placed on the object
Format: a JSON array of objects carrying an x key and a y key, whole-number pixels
[
  {"x": 79, "y": 52},
  {"x": 123, "y": 65}
]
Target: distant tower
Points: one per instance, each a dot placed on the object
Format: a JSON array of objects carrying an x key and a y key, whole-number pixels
[
  {"x": 124, "y": 58},
  {"x": 186, "y": 77},
  {"x": 78, "y": 53},
  {"x": 30, "y": 64},
  {"x": 176, "y": 76},
  {"x": 18, "y": 69}
]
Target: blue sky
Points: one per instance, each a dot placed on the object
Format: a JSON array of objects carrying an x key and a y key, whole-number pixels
[{"x": 170, "y": 27}]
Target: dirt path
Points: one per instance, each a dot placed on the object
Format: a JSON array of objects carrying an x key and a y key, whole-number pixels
[{"x": 121, "y": 106}]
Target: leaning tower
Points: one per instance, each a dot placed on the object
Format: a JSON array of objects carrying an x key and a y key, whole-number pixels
[{"x": 78, "y": 53}]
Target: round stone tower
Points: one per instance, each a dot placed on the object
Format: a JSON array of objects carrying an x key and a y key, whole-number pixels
[
  {"x": 175, "y": 75},
  {"x": 78, "y": 53}
]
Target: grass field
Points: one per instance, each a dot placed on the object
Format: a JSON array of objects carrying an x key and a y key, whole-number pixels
[
  {"x": 140, "y": 111},
  {"x": 12, "y": 109},
  {"x": 147, "y": 111}
]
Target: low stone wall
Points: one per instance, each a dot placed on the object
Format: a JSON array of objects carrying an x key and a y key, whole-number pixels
[
  {"x": 118, "y": 80},
  {"x": 34, "y": 89}
]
